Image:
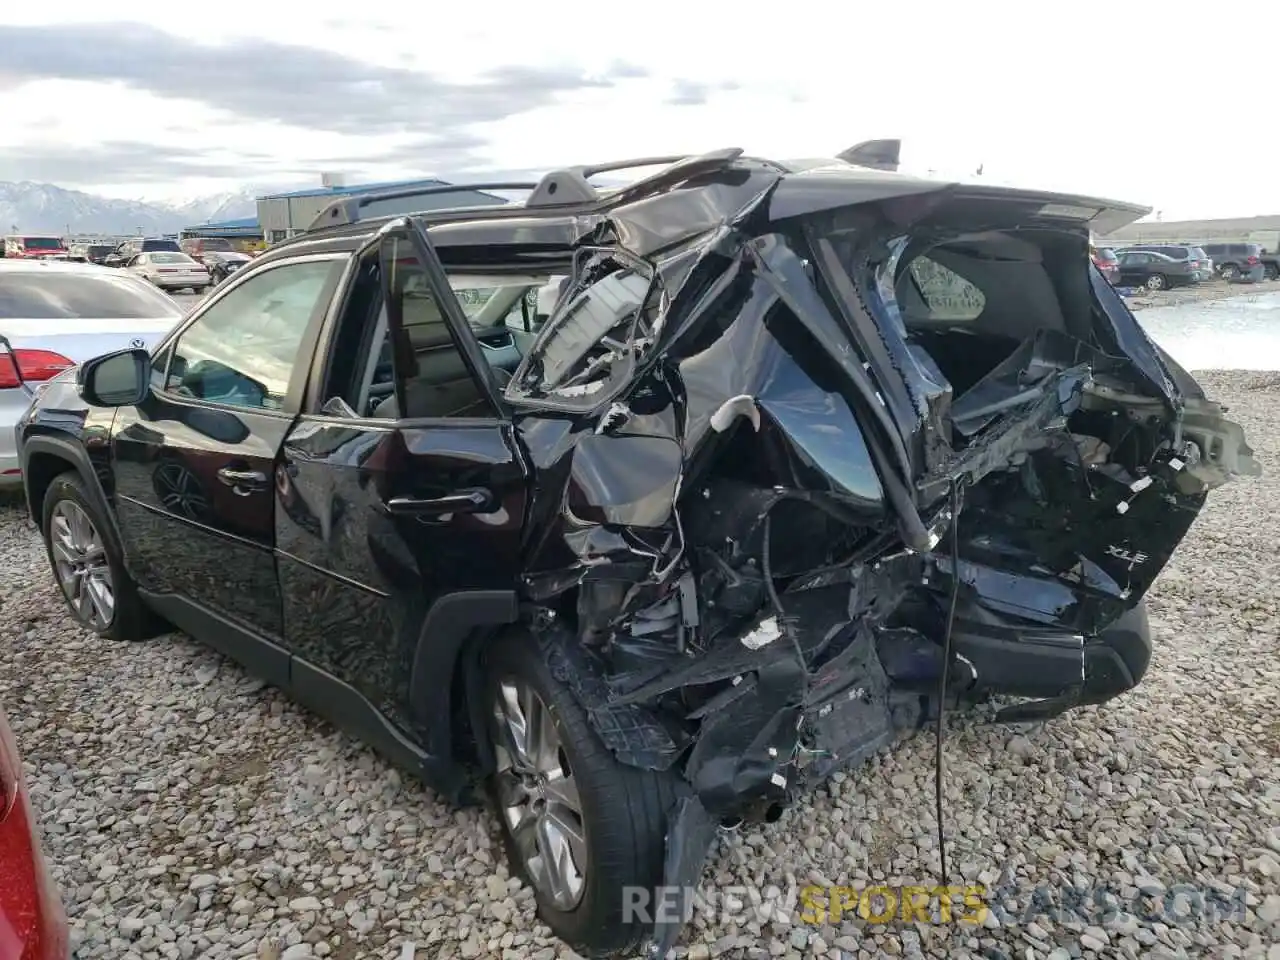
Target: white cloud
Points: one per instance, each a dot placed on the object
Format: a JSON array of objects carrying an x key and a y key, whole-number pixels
[{"x": 1104, "y": 99}]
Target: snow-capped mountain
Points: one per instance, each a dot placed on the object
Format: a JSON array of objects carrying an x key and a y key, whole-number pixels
[{"x": 45, "y": 208}]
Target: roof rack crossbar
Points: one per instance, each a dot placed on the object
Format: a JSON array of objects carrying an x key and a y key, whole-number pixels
[
  {"x": 571, "y": 184},
  {"x": 346, "y": 210}
]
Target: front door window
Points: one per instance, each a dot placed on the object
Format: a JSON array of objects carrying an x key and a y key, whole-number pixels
[{"x": 241, "y": 351}]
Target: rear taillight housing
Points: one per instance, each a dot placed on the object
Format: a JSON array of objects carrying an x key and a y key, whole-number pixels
[
  {"x": 1251, "y": 261},
  {"x": 19, "y": 366}
]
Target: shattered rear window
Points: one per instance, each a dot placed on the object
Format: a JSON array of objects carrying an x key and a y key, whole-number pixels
[{"x": 605, "y": 321}]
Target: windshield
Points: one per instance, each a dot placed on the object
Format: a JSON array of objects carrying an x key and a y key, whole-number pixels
[
  {"x": 164, "y": 257},
  {"x": 215, "y": 243},
  {"x": 41, "y": 243},
  {"x": 161, "y": 245},
  {"x": 44, "y": 295}
]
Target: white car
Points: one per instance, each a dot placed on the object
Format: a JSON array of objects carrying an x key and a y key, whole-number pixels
[
  {"x": 56, "y": 315},
  {"x": 170, "y": 270}
]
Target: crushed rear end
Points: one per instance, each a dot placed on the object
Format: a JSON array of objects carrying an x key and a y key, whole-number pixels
[{"x": 778, "y": 412}]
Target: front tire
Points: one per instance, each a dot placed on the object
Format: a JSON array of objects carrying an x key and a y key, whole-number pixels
[
  {"x": 88, "y": 565},
  {"x": 583, "y": 829}
]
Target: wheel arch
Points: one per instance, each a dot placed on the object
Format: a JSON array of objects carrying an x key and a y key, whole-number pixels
[
  {"x": 444, "y": 676},
  {"x": 47, "y": 458}
]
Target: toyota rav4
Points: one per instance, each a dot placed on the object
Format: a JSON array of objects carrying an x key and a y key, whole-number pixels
[{"x": 801, "y": 456}]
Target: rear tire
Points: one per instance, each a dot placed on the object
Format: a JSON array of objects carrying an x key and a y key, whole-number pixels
[
  {"x": 1270, "y": 271},
  {"x": 1229, "y": 271},
  {"x": 88, "y": 565},
  {"x": 1157, "y": 281},
  {"x": 622, "y": 810}
]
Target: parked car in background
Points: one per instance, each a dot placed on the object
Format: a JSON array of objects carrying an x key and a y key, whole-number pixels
[
  {"x": 33, "y": 925},
  {"x": 128, "y": 249},
  {"x": 1176, "y": 251},
  {"x": 55, "y": 315},
  {"x": 1156, "y": 271},
  {"x": 197, "y": 246},
  {"x": 1271, "y": 264},
  {"x": 28, "y": 247},
  {"x": 222, "y": 265},
  {"x": 1237, "y": 261},
  {"x": 84, "y": 252},
  {"x": 171, "y": 271},
  {"x": 1204, "y": 263},
  {"x": 1105, "y": 259},
  {"x": 690, "y": 553}
]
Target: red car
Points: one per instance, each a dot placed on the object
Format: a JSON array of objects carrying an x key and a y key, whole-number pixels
[
  {"x": 1105, "y": 259},
  {"x": 32, "y": 923}
]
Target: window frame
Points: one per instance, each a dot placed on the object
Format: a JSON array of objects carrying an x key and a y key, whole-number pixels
[
  {"x": 299, "y": 375},
  {"x": 321, "y": 361}
]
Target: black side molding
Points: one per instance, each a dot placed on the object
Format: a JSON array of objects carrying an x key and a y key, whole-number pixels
[{"x": 449, "y": 622}]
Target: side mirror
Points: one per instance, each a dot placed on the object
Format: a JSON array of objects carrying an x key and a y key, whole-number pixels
[{"x": 120, "y": 379}]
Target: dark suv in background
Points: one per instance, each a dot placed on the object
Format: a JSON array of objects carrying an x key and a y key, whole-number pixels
[
  {"x": 1240, "y": 261},
  {"x": 89, "y": 252}
]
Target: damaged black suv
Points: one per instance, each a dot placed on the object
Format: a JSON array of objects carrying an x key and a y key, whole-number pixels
[{"x": 804, "y": 454}]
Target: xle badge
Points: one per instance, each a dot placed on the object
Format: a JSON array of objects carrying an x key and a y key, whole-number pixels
[{"x": 1133, "y": 557}]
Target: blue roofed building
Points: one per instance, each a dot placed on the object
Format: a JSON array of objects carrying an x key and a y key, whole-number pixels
[
  {"x": 246, "y": 228},
  {"x": 282, "y": 215}
]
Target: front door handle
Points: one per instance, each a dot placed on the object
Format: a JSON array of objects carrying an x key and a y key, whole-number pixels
[
  {"x": 243, "y": 482},
  {"x": 474, "y": 500}
]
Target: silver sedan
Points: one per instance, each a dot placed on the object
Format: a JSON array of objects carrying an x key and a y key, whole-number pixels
[
  {"x": 170, "y": 270},
  {"x": 54, "y": 316}
]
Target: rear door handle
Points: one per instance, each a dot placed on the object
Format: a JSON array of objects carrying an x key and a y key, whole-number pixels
[
  {"x": 474, "y": 500},
  {"x": 243, "y": 482}
]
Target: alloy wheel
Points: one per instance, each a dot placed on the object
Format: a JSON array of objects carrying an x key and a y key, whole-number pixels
[
  {"x": 1229, "y": 272},
  {"x": 1155, "y": 282},
  {"x": 538, "y": 796},
  {"x": 80, "y": 559}
]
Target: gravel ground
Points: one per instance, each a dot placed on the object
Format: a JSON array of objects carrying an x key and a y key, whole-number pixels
[
  {"x": 190, "y": 812},
  {"x": 1210, "y": 290}
]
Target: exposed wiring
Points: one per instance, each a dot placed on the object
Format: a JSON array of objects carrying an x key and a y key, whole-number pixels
[
  {"x": 766, "y": 568},
  {"x": 945, "y": 673}
]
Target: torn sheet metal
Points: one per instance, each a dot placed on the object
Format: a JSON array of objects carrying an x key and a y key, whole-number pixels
[{"x": 739, "y": 525}]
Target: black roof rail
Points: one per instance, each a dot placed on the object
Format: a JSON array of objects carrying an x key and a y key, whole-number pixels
[
  {"x": 565, "y": 187},
  {"x": 346, "y": 210}
]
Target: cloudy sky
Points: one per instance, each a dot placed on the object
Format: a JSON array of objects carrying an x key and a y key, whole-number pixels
[{"x": 1116, "y": 99}]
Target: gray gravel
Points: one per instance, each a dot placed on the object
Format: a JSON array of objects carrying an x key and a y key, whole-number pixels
[{"x": 190, "y": 812}]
